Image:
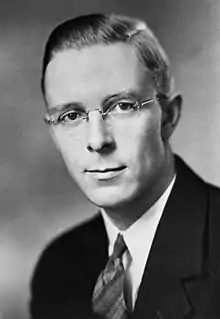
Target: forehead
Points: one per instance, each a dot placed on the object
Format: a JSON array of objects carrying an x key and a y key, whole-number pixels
[{"x": 94, "y": 72}]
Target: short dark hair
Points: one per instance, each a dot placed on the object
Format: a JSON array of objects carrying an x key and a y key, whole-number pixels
[{"x": 93, "y": 29}]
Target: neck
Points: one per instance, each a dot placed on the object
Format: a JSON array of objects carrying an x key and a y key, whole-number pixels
[{"x": 124, "y": 216}]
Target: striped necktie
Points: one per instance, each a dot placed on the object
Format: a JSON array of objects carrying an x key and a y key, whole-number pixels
[{"x": 108, "y": 296}]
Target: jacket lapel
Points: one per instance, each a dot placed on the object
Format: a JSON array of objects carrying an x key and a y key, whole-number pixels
[
  {"x": 96, "y": 244},
  {"x": 177, "y": 251}
]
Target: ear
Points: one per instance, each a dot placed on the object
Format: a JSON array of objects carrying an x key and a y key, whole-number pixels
[{"x": 171, "y": 112}]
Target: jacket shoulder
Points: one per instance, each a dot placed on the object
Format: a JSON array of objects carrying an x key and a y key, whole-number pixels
[
  {"x": 61, "y": 271},
  {"x": 208, "y": 196},
  {"x": 69, "y": 243}
]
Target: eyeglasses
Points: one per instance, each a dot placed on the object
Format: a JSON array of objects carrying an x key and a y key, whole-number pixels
[{"x": 116, "y": 110}]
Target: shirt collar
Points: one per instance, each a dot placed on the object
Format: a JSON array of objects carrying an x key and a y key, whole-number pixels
[{"x": 143, "y": 229}]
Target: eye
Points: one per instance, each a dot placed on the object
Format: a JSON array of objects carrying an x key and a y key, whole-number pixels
[
  {"x": 123, "y": 107},
  {"x": 70, "y": 116}
]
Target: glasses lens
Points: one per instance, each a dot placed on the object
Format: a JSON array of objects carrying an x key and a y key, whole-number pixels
[
  {"x": 71, "y": 117},
  {"x": 121, "y": 108}
]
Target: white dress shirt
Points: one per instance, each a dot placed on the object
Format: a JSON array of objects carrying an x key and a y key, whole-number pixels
[{"x": 138, "y": 238}]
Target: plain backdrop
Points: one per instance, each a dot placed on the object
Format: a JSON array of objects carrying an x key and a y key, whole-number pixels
[{"x": 38, "y": 199}]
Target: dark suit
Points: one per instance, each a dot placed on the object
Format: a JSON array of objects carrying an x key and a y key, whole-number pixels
[{"x": 182, "y": 275}]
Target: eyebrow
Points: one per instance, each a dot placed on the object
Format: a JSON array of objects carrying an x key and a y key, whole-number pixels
[
  {"x": 80, "y": 106},
  {"x": 119, "y": 95},
  {"x": 65, "y": 107}
]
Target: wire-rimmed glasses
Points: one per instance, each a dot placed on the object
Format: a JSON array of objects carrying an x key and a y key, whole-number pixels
[{"x": 70, "y": 115}]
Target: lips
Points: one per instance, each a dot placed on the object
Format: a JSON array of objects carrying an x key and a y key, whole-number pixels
[
  {"x": 104, "y": 174},
  {"x": 105, "y": 170}
]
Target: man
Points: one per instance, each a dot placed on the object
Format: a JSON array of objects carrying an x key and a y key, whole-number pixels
[{"x": 152, "y": 250}]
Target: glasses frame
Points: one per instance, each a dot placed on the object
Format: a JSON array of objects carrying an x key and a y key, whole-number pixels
[{"x": 51, "y": 120}]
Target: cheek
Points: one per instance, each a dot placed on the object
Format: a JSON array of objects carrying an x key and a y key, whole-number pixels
[
  {"x": 71, "y": 149},
  {"x": 141, "y": 142}
]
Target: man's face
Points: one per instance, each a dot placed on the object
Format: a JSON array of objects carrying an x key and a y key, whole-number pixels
[{"x": 113, "y": 162}]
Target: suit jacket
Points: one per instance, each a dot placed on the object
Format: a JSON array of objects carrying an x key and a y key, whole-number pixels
[{"x": 182, "y": 275}]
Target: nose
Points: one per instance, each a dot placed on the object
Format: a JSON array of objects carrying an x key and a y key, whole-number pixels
[{"x": 99, "y": 139}]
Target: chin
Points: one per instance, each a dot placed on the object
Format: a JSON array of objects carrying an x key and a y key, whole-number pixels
[{"x": 108, "y": 198}]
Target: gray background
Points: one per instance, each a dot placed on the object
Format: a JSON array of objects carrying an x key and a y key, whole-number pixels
[{"x": 38, "y": 198}]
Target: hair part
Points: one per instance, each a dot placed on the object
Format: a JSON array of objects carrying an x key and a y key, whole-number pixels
[{"x": 94, "y": 29}]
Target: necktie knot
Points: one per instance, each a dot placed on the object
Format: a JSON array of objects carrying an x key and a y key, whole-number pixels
[{"x": 119, "y": 249}]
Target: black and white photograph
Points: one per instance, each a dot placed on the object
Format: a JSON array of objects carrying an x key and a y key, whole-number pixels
[{"x": 110, "y": 159}]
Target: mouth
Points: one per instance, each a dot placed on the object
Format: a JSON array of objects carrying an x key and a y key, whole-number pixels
[
  {"x": 104, "y": 170},
  {"x": 106, "y": 173}
]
